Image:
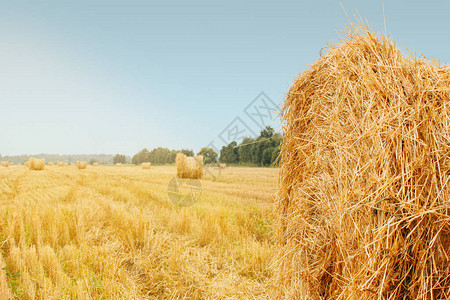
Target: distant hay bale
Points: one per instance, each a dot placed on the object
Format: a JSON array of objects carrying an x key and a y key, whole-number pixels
[
  {"x": 60, "y": 164},
  {"x": 27, "y": 164},
  {"x": 118, "y": 164},
  {"x": 146, "y": 165},
  {"x": 36, "y": 164},
  {"x": 363, "y": 209},
  {"x": 189, "y": 167},
  {"x": 50, "y": 164},
  {"x": 95, "y": 164},
  {"x": 81, "y": 165},
  {"x": 5, "y": 164},
  {"x": 222, "y": 166},
  {"x": 11, "y": 164}
]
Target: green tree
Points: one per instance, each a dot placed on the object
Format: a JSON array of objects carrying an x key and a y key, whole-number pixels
[
  {"x": 187, "y": 152},
  {"x": 229, "y": 154},
  {"x": 120, "y": 159},
  {"x": 209, "y": 155},
  {"x": 245, "y": 150}
]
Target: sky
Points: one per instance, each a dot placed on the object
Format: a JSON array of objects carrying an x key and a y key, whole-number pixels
[{"x": 117, "y": 76}]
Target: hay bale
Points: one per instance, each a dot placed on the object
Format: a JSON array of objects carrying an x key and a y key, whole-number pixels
[
  {"x": 189, "y": 167},
  {"x": 50, "y": 164},
  {"x": 11, "y": 164},
  {"x": 27, "y": 164},
  {"x": 36, "y": 164},
  {"x": 95, "y": 164},
  {"x": 5, "y": 164},
  {"x": 118, "y": 164},
  {"x": 222, "y": 166},
  {"x": 363, "y": 209},
  {"x": 81, "y": 165},
  {"x": 146, "y": 165}
]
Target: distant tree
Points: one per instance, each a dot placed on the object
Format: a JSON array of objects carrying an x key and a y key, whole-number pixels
[
  {"x": 92, "y": 161},
  {"x": 209, "y": 155},
  {"x": 229, "y": 154},
  {"x": 187, "y": 152},
  {"x": 267, "y": 132},
  {"x": 245, "y": 150},
  {"x": 170, "y": 158},
  {"x": 120, "y": 159}
]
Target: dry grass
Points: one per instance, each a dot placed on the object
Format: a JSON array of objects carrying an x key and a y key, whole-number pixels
[
  {"x": 146, "y": 165},
  {"x": 95, "y": 164},
  {"x": 110, "y": 233},
  {"x": 189, "y": 167},
  {"x": 50, "y": 164},
  {"x": 363, "y": 209},
  {"x": 36, "y": 164},
  {"x": 81, "y": 165}
]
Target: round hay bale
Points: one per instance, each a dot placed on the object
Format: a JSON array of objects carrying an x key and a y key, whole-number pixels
[
  {"x": 189, "y": 167},
  {"x": 81, "y": 165},
  {"x": 363, "y": 209},
  {"x": 146, "y": 165},
  {"x": 36, "y": 164},
  {"x": 5, "y": 164}
]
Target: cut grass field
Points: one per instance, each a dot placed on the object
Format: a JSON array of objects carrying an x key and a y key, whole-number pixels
[{"x": 109, "y": 233}]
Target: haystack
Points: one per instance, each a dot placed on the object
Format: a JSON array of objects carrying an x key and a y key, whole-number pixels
[
  {"x": 189, "y": 167},
  {"x": 11, "y": 164},
  {"x": 363, "y": 210},
  {"x": 50, "y": 164},
  {"x": 5, "y": 164},
  {"x": 36, "y": 164},
  {"x": 146, "y": 165},
  {"x": 118, "y": 164},
  {"x": 81, "y": 165},
  {"x": 222, "y": 166},
  {"x": 95, "y": 164}
]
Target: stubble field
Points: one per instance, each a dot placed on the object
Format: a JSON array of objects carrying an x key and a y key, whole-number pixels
[{"x": 111, "y": 232}]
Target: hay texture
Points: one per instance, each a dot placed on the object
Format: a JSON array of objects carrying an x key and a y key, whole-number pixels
[
  {"x": 81, "y": 165},
  {"x": 189, "y": 167},
  {"x": 5, "y": 164},
  {"x": 363, "y": 209},
  {"x": 222, "y": 166},
  {"x": 36, "y": 164},
  {"x": 50, "y": 164},
  {"x": 146, "y": 165}
]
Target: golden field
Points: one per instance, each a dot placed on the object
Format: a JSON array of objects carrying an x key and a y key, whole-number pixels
[{"x": 112, "y": 233}]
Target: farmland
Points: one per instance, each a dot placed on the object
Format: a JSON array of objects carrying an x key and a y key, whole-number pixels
[{"x": 112, "y": 232}]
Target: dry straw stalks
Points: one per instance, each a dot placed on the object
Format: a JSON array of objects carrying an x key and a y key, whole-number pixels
[
  {"x": 189, "y": 167},
  {"x": 363, "y": 210}
]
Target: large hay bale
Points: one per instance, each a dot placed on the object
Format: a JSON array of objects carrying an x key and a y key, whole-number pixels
[
  {"x": 81, "y": 165},
  {"x": 36, "y": 164},
  {"x": 222, "y": 166},
  {"x": 363, "y": 210},
  {"x": 146, "y": 165},
  {"x": 5, "y": 164},
  {"x": 189, "y": 167}
]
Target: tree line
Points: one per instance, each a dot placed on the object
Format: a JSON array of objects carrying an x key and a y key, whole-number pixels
[{"x": 260, "y": 151}]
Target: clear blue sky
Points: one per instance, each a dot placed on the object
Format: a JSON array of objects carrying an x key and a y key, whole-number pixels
[{"x": 117, "y": 76}]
